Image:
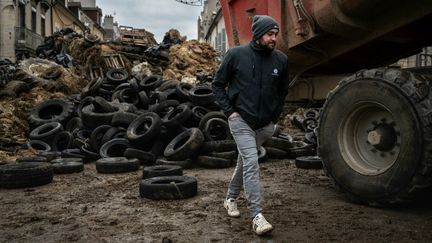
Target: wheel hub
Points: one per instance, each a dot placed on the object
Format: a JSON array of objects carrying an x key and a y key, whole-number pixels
[
  {"x": 383, "y": 137},
  {"x": 369, "y": 138}
]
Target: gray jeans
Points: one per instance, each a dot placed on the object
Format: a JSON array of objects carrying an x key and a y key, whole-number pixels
[{"x": 246, "y": 173}]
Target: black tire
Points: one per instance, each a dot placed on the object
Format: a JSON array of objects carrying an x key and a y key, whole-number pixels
[
  {"x": 144, "y": 128},
  {"x": 309, "y": 162},
  {"x": 168, "y": 187},
  {"x": 144, "y": 100},
  {"x": 46, "y": 132},
  {"x": 218, "y": 146},
  {"x": 185, "y": 164},
  {"x": 183, "y": 89},
  {"x": 89, "y": 154},
  {"x": 26, "y": 174},
  {"x": 66, "y": 160},
  {"x": 231, "y": 155},
  {"x": 117, "y": 75},
  {"x": 275, "y": 153},
  {"x": 123, "y": 119},
  {"x": 312, "y": 113},
  {"x": 129, "y": 95},
  {"x": 83, "y": 103},
  {"x": 213, "y": 162},
  {"x": 210, "y": 115},
  {"x": 93, "y": 119},
  {"x": 145, "y": 158},
  {"x": 92, "y": 87},
  {"x": 394, "y": 168},
  {"x": 74, "y": 123},
  {"x": 309, "y": 124},
  {"x": 50, "y": 155},
  {"x": 38, "y": 145},
  {"x": 97, "y": 135},
  {"x": 110, "y": 134},
  {"x": 156, "y": 97},
  {"x": 117, "y": 165},
  {"x": 31, "y": 159},
  {"x": 301, "y": 150},
  {"x": 177, "y": 117},
  {"x": 114, "y": 148},
  {"x": 162, "y": 170},
  {"x": 55, "y": 110},
  {"x": 197, "y": 114},
  {"x": 279, "y": 143},
  {"x": 151, "y": 82},
  {"x": 217, "y": 129},
  {"x": 67, "y": 167},
  {"x": 201, "y": 95},
  {"x": 168, "y": 84},
  {"x": 185, "y": 145},
  {"x": 101, "y": 105},
  {"x": 74, "y": 153},
  {"x": 164, "y": 107},
  {"x": 62, "y": 140}
]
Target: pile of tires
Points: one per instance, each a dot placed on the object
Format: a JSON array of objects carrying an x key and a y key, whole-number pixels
[
  {"x": 304, "y": 144},
  {"x": 152, "y": 120}
]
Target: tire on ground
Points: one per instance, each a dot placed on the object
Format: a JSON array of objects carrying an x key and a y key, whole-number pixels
[
  {"x": 213, "y": 162},
  {"x": 25, "y": 174},
  {"x": 168, "y": 187},
  {"x": 308, "y": 162},
  {"x": 68, "y": 167},
  {"x": 117, "y": 165},
  {"x": 162, "y": 170},
  {"x": 185, "y": 145}
]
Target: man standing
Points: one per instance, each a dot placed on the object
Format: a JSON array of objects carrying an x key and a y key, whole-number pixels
[{"x": 256, "y": 77}]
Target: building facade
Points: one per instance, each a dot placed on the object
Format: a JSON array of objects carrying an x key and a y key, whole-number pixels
[
  {"x": 24, "y": 24},
  {"x": 111, "y": 28},
  {"x": 211, "y": 26}
]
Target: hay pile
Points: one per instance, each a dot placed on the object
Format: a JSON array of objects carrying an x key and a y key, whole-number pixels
[{"x": 189, "y": 58}]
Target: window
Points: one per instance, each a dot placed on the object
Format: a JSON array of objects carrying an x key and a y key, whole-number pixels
[
  {"x": 43, "y": 25},
  {"x": 21, "y": 13},
  {"x": 33, "y": 19}
]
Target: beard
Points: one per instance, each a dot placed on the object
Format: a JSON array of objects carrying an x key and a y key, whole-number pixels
[{"x": 271, "y": 45}]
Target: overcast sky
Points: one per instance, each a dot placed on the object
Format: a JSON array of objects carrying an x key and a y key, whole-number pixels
[{"x": 155, "y": 16}]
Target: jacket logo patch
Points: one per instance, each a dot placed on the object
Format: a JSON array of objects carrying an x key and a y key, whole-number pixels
[{"x": 275, "y": 72}]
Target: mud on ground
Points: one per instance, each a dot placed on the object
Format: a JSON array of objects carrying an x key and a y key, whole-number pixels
[{"x": 302, "y": 205}]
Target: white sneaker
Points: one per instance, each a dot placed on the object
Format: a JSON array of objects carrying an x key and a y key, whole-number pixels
[
  {"x": 260, "y": 225},
  {"x": 231, "y": 206}
]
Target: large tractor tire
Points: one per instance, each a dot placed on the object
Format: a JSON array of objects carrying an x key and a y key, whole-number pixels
[{"x": 374, "y": 136}]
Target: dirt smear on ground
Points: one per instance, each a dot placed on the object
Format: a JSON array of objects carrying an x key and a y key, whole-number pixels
[{"x": 301, "y": 204}]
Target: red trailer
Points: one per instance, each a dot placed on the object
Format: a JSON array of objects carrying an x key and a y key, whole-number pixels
[{"x": 375, "y": 128}]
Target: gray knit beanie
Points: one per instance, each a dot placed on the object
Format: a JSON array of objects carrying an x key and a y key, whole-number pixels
[{"x": 261, "y": 24}]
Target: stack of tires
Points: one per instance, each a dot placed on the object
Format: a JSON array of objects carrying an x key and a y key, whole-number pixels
[
  {"x": 304, "y": 151},
  {"x": 152, "y": 120}
]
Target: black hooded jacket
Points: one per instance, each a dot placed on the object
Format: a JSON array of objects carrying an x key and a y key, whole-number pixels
[{"x": 257, "y": 83}]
